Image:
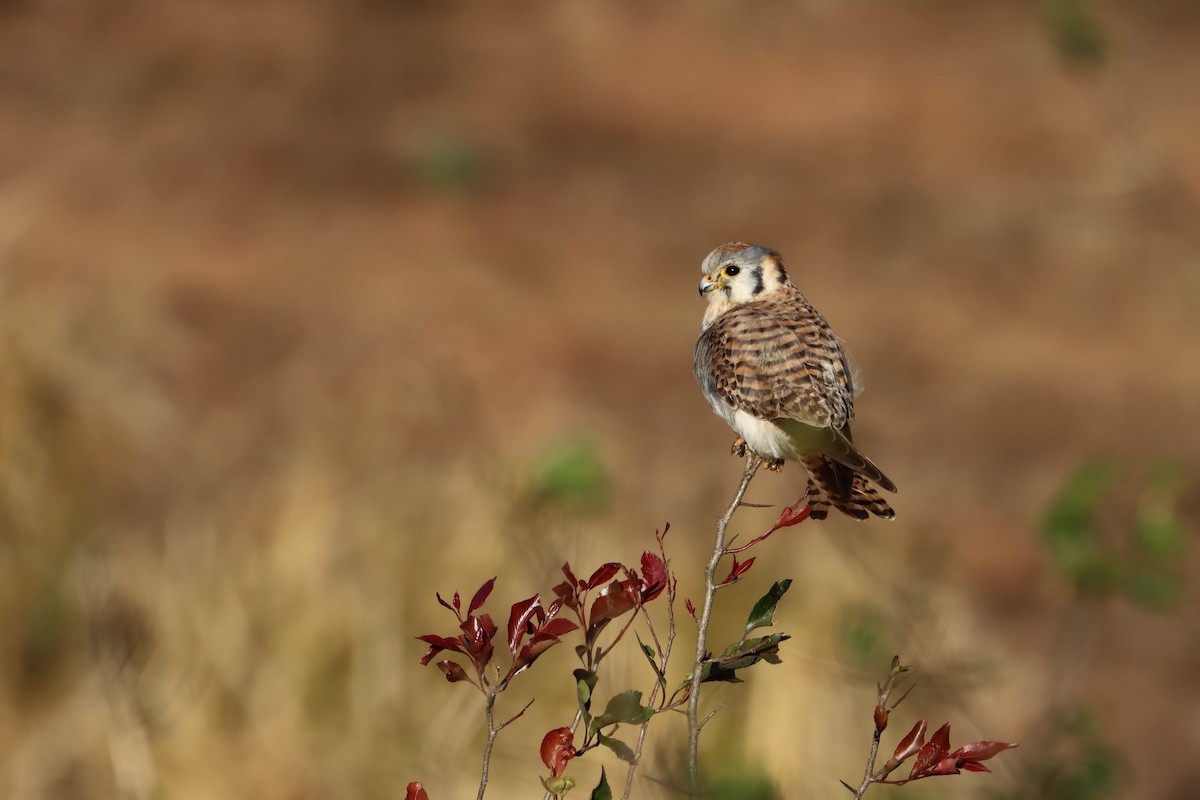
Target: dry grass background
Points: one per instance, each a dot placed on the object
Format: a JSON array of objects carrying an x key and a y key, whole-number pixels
[{"x": 295, "y": 296}]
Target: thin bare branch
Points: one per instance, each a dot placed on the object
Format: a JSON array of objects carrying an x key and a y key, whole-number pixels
[{"x": 710, "y": 589}]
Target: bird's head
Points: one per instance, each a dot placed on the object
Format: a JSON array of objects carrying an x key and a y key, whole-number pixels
[{"x": 738, "y": 273}]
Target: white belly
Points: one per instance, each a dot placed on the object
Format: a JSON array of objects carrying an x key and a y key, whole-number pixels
[{"x": 763, "y": 437}]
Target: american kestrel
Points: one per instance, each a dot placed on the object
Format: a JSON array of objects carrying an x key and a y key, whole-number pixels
[{"x": 770, "y": 366}]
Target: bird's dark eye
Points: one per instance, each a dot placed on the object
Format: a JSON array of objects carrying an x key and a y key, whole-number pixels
[{"x": 731, "y": 270}]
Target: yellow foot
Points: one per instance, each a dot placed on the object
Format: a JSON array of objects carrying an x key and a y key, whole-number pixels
[
  {"x": 773, "y": 464},
  {"x": 739, "y": 447}
]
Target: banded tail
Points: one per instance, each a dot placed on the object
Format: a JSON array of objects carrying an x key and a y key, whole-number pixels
[{"x": 831, "y": 483}]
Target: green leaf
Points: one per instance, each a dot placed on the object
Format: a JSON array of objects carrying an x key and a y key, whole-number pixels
[
  {"x": 625, "y": 707},
  {"x": 602, "y": 791},
  {"x": 585, "y": 682},
  {"x": 763, "y": 613},
  {"x": 741, "y": 655},
  {"x": 649, "y": 652},
  {"x": 623, "y": 751}
]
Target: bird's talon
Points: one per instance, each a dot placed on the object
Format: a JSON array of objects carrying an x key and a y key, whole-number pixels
[
  {"x": 773, "y": 464},
  {"x": 739, "y": 447}
]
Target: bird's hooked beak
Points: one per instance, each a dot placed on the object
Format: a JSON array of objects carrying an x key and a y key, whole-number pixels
[{"x": 707, "y": 284}]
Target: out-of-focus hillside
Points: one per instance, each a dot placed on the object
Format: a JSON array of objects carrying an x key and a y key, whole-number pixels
[{"x": 297, "y": 297}]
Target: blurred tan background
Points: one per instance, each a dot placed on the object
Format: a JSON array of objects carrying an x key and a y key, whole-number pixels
[{"x": 309, "y": 309}]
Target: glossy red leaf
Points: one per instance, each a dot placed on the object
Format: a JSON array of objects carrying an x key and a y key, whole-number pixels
[
  {"x": 691, "y": 609},
  {"x": 481, "y": 596},
  {"x": 416, "y": 791},
  {"x": 566, "y": 568},
  {"x": 613, "y": 601},
  {"x": 478, "y": 633},
  {"x": 453, "y": 671},
  {"x": 932, "y": 752},
  {"x": 518, "y": 621},
  {"x": 568, "y": 594},
  {"x": 974, "y": 766},
  {"x": 447, "y": 605},
  {"x": 793, "y": 514},
  {"x": 530, "y": 652},
  {"x": 444, "y": 642},
  {"x": 558, "y": 747},
  {"x": 654, "y": 576},
  {"x": 981, "y": 751},
  {"x": 557, "y": 627},
  {"x": 911, "y": 742},
  {"x": 437, "y": 644},
  {"x": 603, "y": 573},
  {"x": 947, "y": 766},
  {"x": 737, "y": 570}
]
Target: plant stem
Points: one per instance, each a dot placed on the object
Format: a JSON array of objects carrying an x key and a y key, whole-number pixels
[
  {"x": 491, "y": 740},
  {"x": 881, "y": 702},
  {"x": 641, "y": 740},
  {"x": 869, "y": 772},
  {"x": 710, "y": 589}
]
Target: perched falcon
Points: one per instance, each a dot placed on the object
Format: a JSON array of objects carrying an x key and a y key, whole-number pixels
[{"x": 770, "y": 366}]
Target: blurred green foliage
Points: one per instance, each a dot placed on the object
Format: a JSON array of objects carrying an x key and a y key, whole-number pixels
[
  {"x": 862, "y": 636},
  {"x": 1082, "y": 765},
  {"x": 742, "y": 782},
  {"x": 571, "y": 475},
  {"x": 1106, "y": 534},
  {"x": 447, "y": 162},
  {"x": 1073, "y": 26}
]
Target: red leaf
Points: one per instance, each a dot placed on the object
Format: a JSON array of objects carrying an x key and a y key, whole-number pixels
[
  {"x": 654, "y": 576},
  {"x": 481, "y": 596},
  {"x": 932, "y": 752},
  {"x": 614, "y": 600},
  {"x": 737, "y": 570},
  {"x": 447, "y": 605},
  {"x": 437, "y": 644},
  {"x": 566, "y": 568},
  {"x": 453, "y": 671},
  {"x": 477, "y": 638},
  {"x": 603, "y": 573},
  {"x": 911, "y": 743},
  {"x": 793, "y": 514},
  {"x": 947, "y": 766},
  {"x": 558, "y": 747},
  {"x": 557, "y": 627},
  {"x": 974, "y": 766},
  {"x": 981, "y": 751},
  {"x": 691, "y": 609},
  {"x": 416, "y": 792},
  {"x": 530, "y": 652},
  {"x": 518, "y": 621},
  {"x": 444, "y": 642},
  {"x": 568, "y": 594}
]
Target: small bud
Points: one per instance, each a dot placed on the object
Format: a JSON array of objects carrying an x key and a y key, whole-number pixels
[{"x": 881, "y": 719}]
